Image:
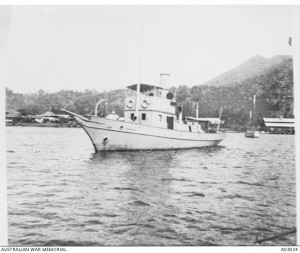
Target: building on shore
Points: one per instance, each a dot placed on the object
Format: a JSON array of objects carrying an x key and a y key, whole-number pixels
[
  {"x": 49, "y": 117},
  {"x": 12, "y": 116},
  {"x": 279, "y": 125}
]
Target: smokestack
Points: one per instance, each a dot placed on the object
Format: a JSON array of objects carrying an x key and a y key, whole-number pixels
[{"x": 165, "y": 80}]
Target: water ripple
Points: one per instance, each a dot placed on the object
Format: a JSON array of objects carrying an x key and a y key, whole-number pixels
[{"x": 60, "y": 193}]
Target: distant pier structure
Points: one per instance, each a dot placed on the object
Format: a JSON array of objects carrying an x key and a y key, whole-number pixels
[{"x": 279, "y": 125}]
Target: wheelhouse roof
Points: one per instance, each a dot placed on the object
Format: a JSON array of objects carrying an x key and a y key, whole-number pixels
[{"x": 145, "y": 87}]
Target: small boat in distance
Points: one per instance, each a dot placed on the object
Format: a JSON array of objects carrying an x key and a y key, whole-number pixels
[
  {"x": 252, "y": 134},
  {"x": 149, "y": 123}
]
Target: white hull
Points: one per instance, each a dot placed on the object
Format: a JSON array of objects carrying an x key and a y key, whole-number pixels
[{"x": 108, "y": 134}]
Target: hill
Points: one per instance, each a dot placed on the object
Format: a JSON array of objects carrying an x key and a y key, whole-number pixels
[{"x": 255, "y": 66}]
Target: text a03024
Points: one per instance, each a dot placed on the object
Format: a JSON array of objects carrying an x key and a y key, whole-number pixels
[{"x": 289, "y": 249}]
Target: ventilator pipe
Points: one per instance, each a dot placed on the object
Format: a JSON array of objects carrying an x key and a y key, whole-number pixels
[
  {"x": 180, "y": 118},
  {"x": 102, "y": 100},
  {"x": 179, "y": 110}
]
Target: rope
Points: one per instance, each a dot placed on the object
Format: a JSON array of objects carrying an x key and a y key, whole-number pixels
[{"x": 260, "y": 240}]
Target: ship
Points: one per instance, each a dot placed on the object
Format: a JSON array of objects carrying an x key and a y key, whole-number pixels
[
  {"x": 252, "y": 134},
  {"x": 152, "y": 121}
]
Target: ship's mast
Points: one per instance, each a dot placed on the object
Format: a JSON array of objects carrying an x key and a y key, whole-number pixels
[
  {"x": 253, "y": 119},
  {"x": 138, "y": 86},
  {"x": 220, "y": 115},
  {"x": 197, "y": 109}
]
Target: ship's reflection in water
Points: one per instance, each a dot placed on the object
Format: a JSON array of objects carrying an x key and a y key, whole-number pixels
[
  {"x": 146, "y": 188},
  {"x": 224, "y": 195}
]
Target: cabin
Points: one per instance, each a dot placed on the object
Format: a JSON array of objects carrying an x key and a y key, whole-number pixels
[
  {"x": 279, "y": 125},
  {"x": 157, "y": 106}
]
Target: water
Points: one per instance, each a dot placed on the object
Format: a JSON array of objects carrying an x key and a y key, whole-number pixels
[{"x": 60, "y": 193}]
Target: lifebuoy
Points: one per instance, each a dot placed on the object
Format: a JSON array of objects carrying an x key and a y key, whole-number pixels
[
  {"x": 145, "y": 104},
  {"x": 170, "y": 95},
  {"x": 130, "y": 104}
]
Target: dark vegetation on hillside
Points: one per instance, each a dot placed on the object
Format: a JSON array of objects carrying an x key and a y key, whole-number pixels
[{"x": 272, "y": 85}]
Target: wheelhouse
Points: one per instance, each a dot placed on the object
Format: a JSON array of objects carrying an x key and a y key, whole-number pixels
[{"x": 156, "y": 106}]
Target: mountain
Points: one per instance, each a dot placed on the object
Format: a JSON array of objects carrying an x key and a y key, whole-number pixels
[{"x": 255, "y": 66}]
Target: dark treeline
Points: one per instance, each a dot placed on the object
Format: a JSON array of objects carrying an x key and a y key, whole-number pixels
[
  {"x": 80, "y": 102},
  {"x": 274, "y": 91}
]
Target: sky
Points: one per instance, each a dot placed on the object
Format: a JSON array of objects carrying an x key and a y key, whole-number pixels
[{"x": 103, "y": 47}]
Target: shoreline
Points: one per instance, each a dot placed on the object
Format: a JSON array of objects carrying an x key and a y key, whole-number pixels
[
  {"x": 76, "y": 125},
  {"x": 55, "y": 125},
  {"x": 67, "y": 125}
]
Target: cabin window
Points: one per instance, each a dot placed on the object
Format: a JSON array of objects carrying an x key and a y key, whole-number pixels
[
  {"x": 170, "y": 122},
  {"x": 160, "y": 118},
  {"x": 131, "y": 116},
  {"x": 143, "y": 116}
]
